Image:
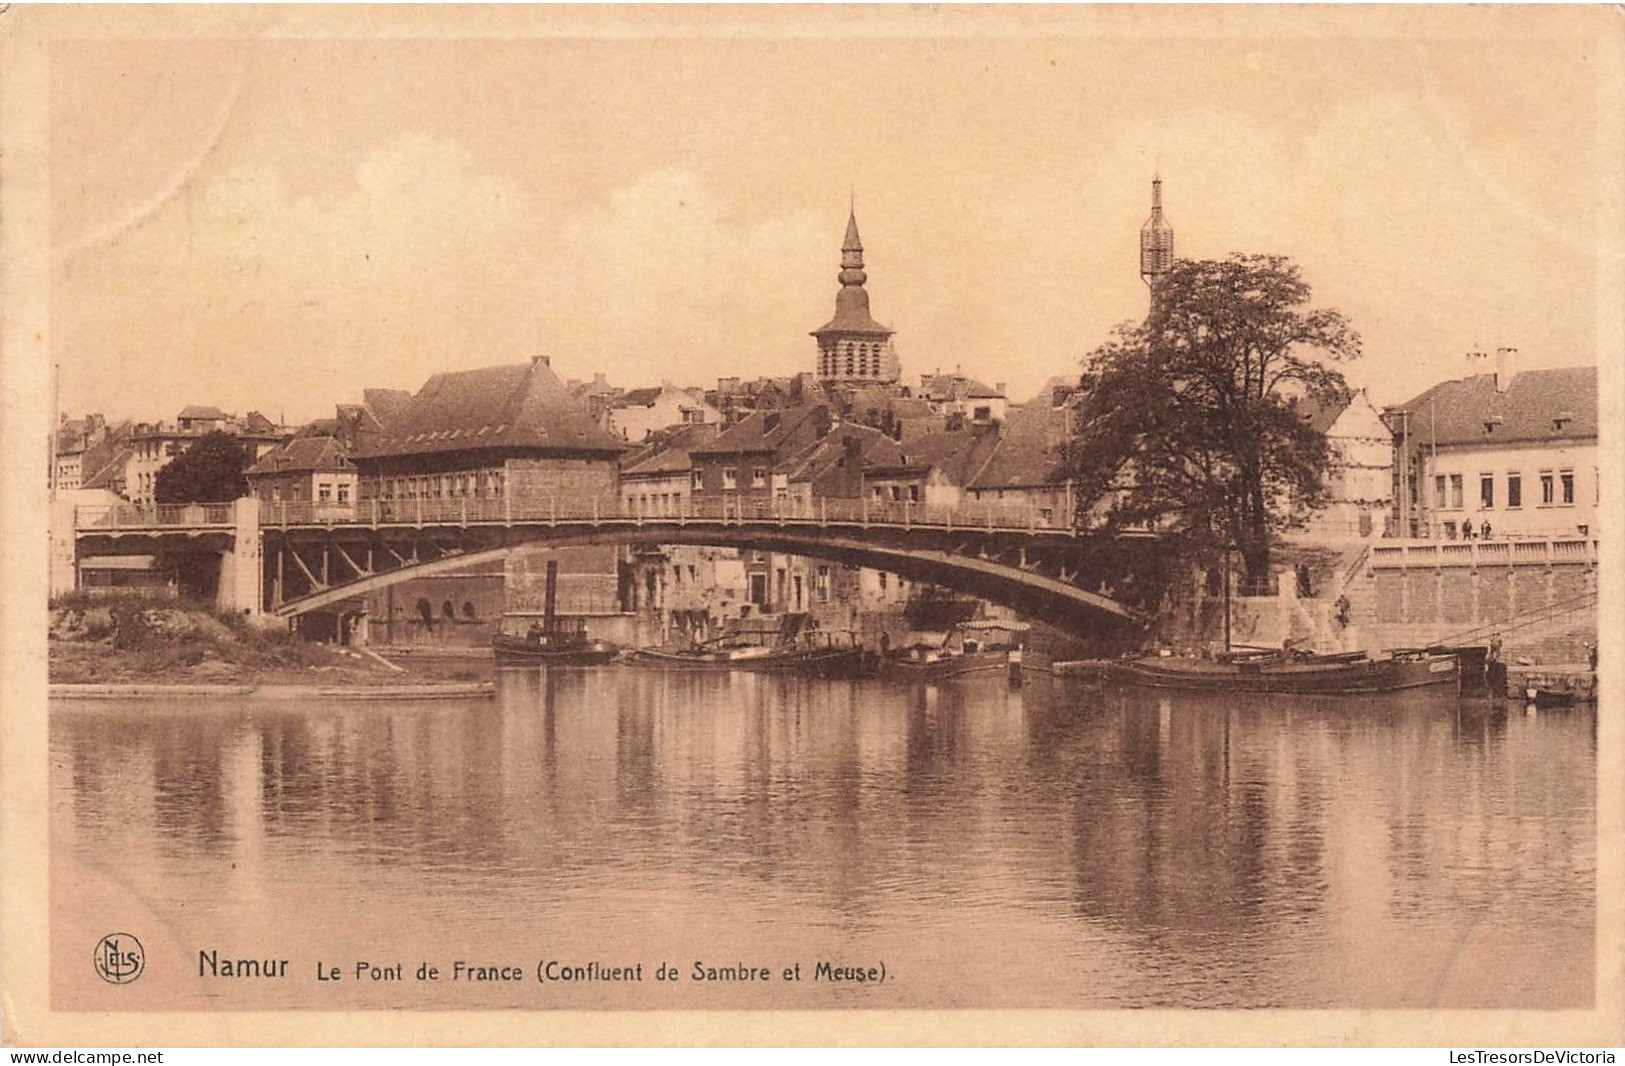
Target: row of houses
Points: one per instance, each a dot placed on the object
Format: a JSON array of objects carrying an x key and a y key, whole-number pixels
[
  {"x": 1495, "y": 453},
  {"x": 124, "y": 458}
]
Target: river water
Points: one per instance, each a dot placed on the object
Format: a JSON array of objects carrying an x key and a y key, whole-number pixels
[{"x": 1060, "y": 845}]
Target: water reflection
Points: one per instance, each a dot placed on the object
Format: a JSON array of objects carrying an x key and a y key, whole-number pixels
[{"x": 1148, "y": 849}]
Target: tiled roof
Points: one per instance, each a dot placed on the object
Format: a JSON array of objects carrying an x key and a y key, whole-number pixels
[
  {"x": 823, "y": 455},
  {"x": 667, "y": 452},
  {"x": 1537, "y": 406},
  {"x": 111, "y": 471},
  {"x": 385, "y": 403},
  {"x": 198, "y": 411},
  {"x": 956, "y": 387},
  {"x": 959, "y": 453},
  {"x": 1321, "y": 414},
  {"x": 644, "y": 397},
  {"x": 521, "y": 405},
  {"x": 303, "y": 455},
  {"x": 1028, "y": 452},
  {"x": 258, "y": 424},
  {"x": 780, "y": 431}
]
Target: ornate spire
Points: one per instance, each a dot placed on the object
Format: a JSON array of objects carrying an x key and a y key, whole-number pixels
[
  {"x": 852, "y": 254},
  {"x": 1156, "y": 239},
  {"x": 852, "y": 346}
]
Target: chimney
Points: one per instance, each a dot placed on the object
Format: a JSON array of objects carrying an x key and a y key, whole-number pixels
[
  {"x": 1506, "y": 365},
  {"x": 599, "y": 380},
  {"x": 545, "y": 360},
  {"x": 1477, "y": 363},
  {"x": 998, "y": 387}
]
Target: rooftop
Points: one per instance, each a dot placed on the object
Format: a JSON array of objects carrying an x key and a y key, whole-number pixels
[
  {"x": 1537, "y": 406},
  {"x": 519, "y": 405}
]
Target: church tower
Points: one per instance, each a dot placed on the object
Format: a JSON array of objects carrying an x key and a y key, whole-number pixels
[
  {"x": 1156, "y": 241},
  {"x": 852, "y": 346}
]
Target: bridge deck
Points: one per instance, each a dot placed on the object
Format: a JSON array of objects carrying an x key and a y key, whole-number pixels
[{"x": 475, "y": 511}]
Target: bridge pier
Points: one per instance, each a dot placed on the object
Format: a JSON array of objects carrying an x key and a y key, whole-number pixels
[
  {"x": 64, "y": 559},
  {"x": 241, "y": 567}
]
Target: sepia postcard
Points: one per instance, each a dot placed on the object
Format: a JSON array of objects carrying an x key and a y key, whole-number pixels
[{"x": 812, "y": 525}]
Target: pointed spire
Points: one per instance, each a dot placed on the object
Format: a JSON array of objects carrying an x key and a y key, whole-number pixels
[
  {"x": 852, "y": 254},
  {"x": 852, "y": 300}
]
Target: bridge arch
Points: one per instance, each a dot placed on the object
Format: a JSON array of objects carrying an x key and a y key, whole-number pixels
[{"x": 1019, "y": 569}]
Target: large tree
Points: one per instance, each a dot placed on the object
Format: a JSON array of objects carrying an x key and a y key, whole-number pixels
[
  {"x": 210, "y": 471},
  {"x": 1194, "y": 422}
]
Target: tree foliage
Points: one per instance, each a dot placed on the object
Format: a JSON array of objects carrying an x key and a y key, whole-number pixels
[
  {"x": 1194, "y": 422},
  {"x": 210, "y": 471}
]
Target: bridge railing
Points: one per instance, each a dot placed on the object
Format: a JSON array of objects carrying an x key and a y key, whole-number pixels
[
  {"x": 469, "y": 510},
  {"x": 172, "y": 515}
]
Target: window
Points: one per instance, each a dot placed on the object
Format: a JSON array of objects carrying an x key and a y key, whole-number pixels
[
  {"x": 1514, "y": 491},
  {"x": 876, "y": 492},
  {"x": 730, "y": 478},
  {"x": 1450, "y": 531},
  {"x": 897, "y": 492},
  {"x": 1566, "y": 479},
  {"x": 982, "y": 413},
  {"x": 1486, "y": 492},
  {"x": 344, "y": 493},
  {"x": 821, "y": 584},
  {"x": 696, "y": 479},
  {"x": 324, "y": 492},
  {"x": 1548, "y": 487},
  {"x": 882, "y": 581},
  {"x": 758, "y": 477},
  {"x": 914, "y": 493},
  {"x": 1455, "y": 492},
  {"x": 1439, "y": 491}
]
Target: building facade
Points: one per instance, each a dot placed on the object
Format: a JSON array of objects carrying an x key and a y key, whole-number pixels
[
  {"x": 504, "y": 433},
  {"x": 1499, "y": 453}
]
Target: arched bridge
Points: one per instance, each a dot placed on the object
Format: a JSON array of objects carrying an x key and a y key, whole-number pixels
[{"x": 315, "y": 556}]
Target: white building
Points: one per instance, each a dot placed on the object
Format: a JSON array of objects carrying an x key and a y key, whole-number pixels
[
  {"x": 638, "y": 413},
  {"x": 1360, "y": 480},
  {"x": 1511, "y": 453}
]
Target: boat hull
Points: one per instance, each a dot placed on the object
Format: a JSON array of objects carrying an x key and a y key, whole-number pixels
[
  {"x": 818, "y": 661},
  {"x": 524, "y": 653},
  {"x": 1323, "y": 678},
  {"x": 948, "y": 666}
]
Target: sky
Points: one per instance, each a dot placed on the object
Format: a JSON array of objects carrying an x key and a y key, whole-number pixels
[{"x": 277, "y": 217}]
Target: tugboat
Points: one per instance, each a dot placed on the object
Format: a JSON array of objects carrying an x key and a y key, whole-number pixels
[
  {"x": 551, "y": 642},
  {"x": 977, "y": 646},
  {"x": 797, "y": 646}
]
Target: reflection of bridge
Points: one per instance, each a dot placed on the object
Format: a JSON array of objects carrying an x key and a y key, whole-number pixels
[{"x": 294, "y": 558}]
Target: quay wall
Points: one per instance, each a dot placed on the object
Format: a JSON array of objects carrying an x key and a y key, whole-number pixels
[{"x": 1539, "y": 595}]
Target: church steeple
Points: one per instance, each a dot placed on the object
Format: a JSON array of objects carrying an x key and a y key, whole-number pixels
[
  {"x": 1156, "y": 240},
  {"x": 852, "y": 346},
  {"x": 852, "y": 254}
]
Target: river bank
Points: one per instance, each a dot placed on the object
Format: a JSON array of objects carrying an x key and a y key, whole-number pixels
[{"x": 126, "y": 643}]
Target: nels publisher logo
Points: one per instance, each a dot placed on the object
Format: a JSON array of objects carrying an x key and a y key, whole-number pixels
[{"x": 119, "y": 959}]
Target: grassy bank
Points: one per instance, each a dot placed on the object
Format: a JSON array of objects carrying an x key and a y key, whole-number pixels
[{"x": 152, "y": 640}]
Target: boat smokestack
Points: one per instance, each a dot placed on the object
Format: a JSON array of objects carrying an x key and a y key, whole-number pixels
[{"x": 550, "y": 596}]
